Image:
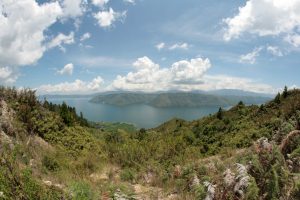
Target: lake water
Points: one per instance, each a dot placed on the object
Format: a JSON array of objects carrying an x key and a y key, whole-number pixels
[{"x": 142, "y": 116}]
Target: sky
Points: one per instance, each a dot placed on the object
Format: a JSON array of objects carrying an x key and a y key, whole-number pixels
[{"x": 89, "y": 46}]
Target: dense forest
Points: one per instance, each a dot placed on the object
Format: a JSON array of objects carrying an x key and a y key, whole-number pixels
[{"x": 50, "y": 151}]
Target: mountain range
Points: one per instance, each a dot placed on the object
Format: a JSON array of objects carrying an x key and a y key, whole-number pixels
[{"x": 220, "y": 98}]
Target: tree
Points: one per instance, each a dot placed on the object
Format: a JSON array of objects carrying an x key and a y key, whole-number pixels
[
  {"x": 285, "y": 92},
  {"x": 241, "y": 103},
  {"x": 220, "y": 114},
  {"x": 277, "y": 98},
  {"x": 65, "y": 114}
]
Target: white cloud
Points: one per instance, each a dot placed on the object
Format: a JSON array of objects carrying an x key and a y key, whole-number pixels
[
  {"x": 129, "y": 1},
  {"x": 183, "y": 46},
  {"x": 67, "y": 69},
  {"x": 183, "y": 75},
  {"x": 189, "y": 71},
  {"x": 76, "y": 87},
  {"x": 217, "y": 82},
  {"x": 160, "y": 46},
  {"x": 275, "y": 51},
  {"x": 85, "y": 36},
  {"x": 176, "y": 46},
  {"x": 107, "y": 18},
  {"x": 251, "y": 57},
  {"x": 22, "y": 25},
  {"x": 293, "y": 39},
  {"x": 100, "y": 3},
  {"x": 73, "y": 8},
  {"x": 7, "y": 75},
  {"x": 61, "y": 39},
  {"x": 264, "y": 18}
]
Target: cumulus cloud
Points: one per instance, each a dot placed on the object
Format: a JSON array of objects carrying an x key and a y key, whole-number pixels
[
  {"x": 7, "y": 75},
  {"x": 293, "y": 39},
  {"x": 184, "y": 75},
  {"x": 106, "y": 18},
  {"x": 183, "y": 46},
  {"x": 251, "y": 57},
  {"x": 61, "y": 39},
  {"x": 24, "y": 23},
  {"x": 264, "y": 18},
  {"x": 274, "y": 50},
  {"x": 76, "y": 87},
  {"x": 66, "y": 70},
  {"x": 189, "y": 72},
  {"x": 73, "y": 8},
  {"x": 160, "y": 46},
  {"x": 85, "y": 36},
  {"x": 100, "y": 3}
]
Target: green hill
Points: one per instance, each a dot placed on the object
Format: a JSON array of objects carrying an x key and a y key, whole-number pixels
[
  {"x": 177, "y": 99},
  {"x": 47, "y": 151}
]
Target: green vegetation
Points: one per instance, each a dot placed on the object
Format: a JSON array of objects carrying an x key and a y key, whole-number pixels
[
  {"x": 176, "y": 99},
  {"x": 50, "y": 152}
]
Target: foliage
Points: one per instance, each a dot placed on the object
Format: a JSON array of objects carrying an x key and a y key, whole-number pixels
[
  {"x": 81, "y": 191},
  {"x": 176, "y": 156},
  {"x": 50, "y": 163},
  {"x": 127, "y": 175}
]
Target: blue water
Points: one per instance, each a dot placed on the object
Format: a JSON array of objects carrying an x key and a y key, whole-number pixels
[{"x": 142, "y": 116}]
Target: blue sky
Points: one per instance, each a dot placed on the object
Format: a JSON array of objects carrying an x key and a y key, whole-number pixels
[{"x": 86, "y": 46}]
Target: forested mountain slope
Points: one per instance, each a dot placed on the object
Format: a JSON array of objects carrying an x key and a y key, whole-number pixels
[
  {"x": 178, "y": 99},
  {"x": 49, "y": 152}
]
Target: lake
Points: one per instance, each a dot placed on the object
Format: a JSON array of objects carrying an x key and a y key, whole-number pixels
[{"x": 142, "y": 116}]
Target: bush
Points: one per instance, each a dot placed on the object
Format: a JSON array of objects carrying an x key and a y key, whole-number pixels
[
  {"x": 31, "y": 189},
  {"x": 127, "y": 175},
  {"x": 81, "y": 191},
  {"x": 200, "y": 192},
  {"x": 50, "y": 163}
]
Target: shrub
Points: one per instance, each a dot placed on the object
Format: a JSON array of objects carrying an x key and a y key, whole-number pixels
[
  {"x": 50, "y": 163},
  {"x": 200, "y": 192},
  {"x": 31, "y": 189},
  {"x": 81, "y": 191},
  {"x": 127, "y": 175},
  {"x": 252, "y": 192}
]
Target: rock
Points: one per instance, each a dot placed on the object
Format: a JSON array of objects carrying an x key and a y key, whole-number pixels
[
  {"x": 97, "y": 177},
  {"x": 177, "y": 171},
  {"x": 48, "y": 183},
  {"x": 58, "y": 186},
  {"x": 229, "y": 178},
  {"x": 6, "y": 118},
  {"x": 242, "y": 180},
  {"x": 118, "y": 195},
  {"x": 173, "y": 197},
  {"x": 195, "y": 182},
  {"x": 286, "y": 144},
  {"x": 32, "y": 163},
  {"x": 263, "y": 144},
  {"x": 2, "y": 194},
  {"x": 5, "y": 138},
  {"x": 148, "y": 177},
  {"x": 211, "y": 190}
]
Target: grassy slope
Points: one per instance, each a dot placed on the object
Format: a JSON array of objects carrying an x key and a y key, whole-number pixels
[{"x": 89, "y": 163}]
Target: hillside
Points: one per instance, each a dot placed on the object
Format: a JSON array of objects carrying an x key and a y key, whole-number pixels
[
  {"x": 177, "y": 99},
  {"x": 47, "y": 151}
]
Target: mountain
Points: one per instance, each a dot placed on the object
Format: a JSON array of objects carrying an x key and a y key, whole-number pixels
[
  {"x": 177, "y": 99},
  {"x": 49, "y": 152},
  {"x": 233, "y": 92}
]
